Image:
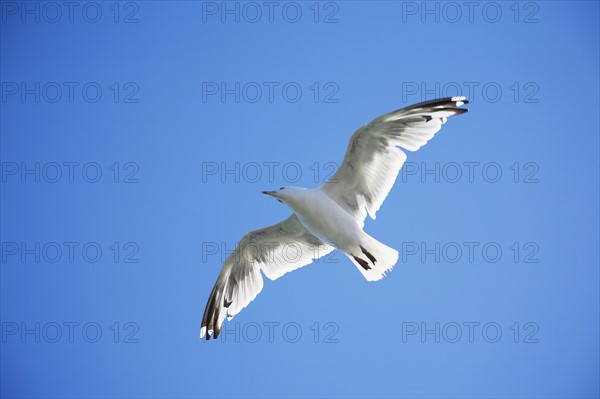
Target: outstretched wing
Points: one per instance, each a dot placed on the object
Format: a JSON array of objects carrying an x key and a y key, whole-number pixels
[
  {"x": 373, "y": 158},
  {"x": 275, "y": 250}
]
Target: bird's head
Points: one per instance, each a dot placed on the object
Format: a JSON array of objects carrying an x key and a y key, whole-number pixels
[{"x": 284, "y": 194}]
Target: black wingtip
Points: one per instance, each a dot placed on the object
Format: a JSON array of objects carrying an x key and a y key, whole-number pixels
[{"x": 446, "y": 101}]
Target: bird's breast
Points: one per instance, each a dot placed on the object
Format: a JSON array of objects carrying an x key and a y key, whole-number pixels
[{"x": 328, "y": 221}]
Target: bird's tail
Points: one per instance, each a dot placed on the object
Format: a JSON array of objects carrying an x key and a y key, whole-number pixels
[{"x": 373, "y": 258}]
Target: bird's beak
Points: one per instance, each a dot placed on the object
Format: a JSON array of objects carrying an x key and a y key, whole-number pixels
[{"x": 271, "y": 193}]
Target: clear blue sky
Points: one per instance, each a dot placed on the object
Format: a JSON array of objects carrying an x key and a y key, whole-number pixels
[{"x": 135, "y": 141}]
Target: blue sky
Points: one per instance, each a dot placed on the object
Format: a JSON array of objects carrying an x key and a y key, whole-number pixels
[{"x": 136, "y": 138}]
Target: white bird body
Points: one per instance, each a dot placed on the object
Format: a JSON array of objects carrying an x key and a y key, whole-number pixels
[
  {"x": 322, "y": 216},
  {"x": 332, "y": 224},
  {"x": 331, "y": 216}
]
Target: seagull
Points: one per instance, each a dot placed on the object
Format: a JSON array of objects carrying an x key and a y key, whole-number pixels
[{"x": 331, "y": 216}]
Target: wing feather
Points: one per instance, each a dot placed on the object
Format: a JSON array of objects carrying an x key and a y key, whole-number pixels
[
  {"x": 276, "y": 250},
  {"x": 374, "y": 158}
]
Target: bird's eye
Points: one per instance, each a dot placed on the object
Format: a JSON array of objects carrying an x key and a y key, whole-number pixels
[{"x": 281, "y": 188}]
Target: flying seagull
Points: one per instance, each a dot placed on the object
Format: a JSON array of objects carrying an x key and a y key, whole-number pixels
[{"x": 331, "y": 216}]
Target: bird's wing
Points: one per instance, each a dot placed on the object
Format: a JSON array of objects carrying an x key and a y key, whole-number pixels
[
  {"x": 275, "y": 250},
  {"x": 373, "y": 158}
]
